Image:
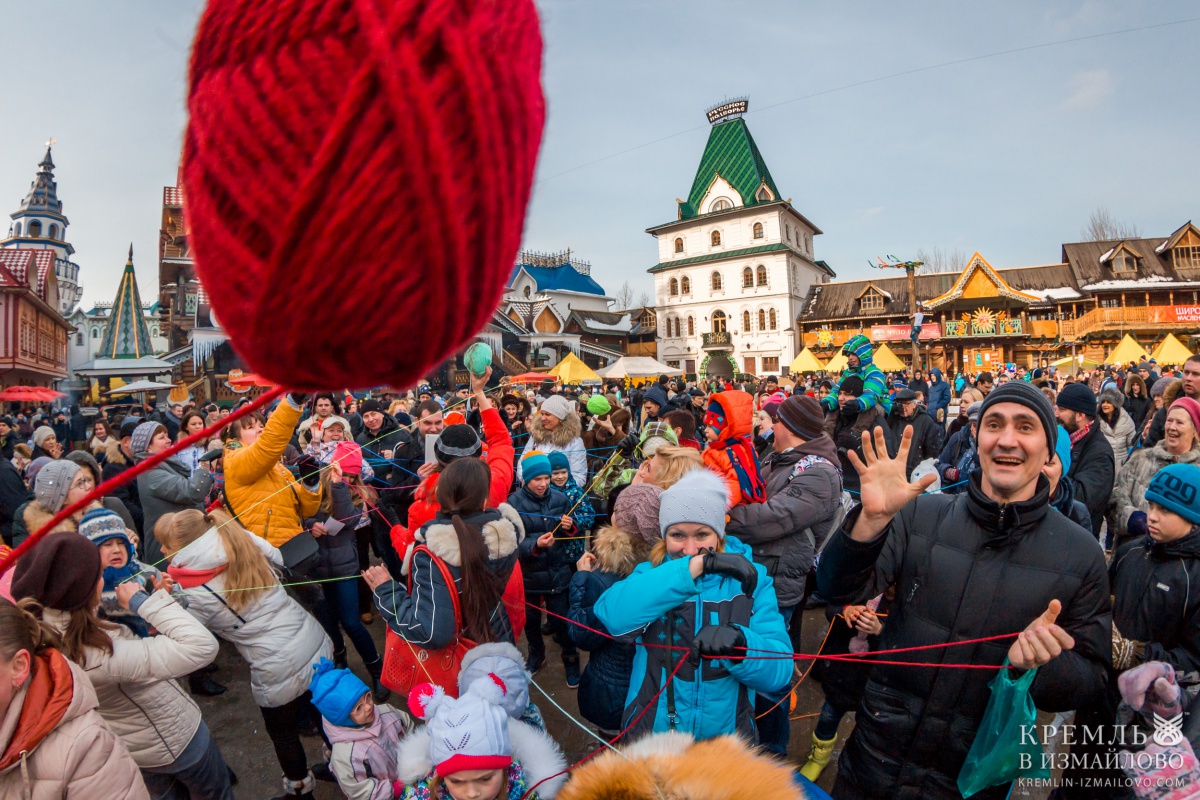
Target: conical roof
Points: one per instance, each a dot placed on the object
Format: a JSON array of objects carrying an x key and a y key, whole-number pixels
[
  {"x": 1171, "y": 351},
  {"x": 1128, "y": 350},
  {"x": 126, "y": 335},
  {"x": 43, "y": 192},
  {"x": 731, "y": 154}
]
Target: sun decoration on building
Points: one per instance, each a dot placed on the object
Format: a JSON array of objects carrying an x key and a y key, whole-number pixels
[{"x": 824, "y": 337}]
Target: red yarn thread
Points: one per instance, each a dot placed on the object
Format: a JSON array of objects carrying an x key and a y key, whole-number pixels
[
  {"x": 129, "y": 475},
  {"x": 359, "y": 170}
]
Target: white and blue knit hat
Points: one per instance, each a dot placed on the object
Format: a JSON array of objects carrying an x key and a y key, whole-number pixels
[
  {"x": 469, "y": 732},
  {"x": 100, "y": 524},
  {"x": 699, "y": 496}
]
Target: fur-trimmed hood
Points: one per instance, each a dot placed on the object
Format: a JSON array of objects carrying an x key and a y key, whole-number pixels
[
  {"x": 1172, "y": 392},
  {"x": 1133, "y": 378},
  {"x": 112, "y": 451},
  {"x": 533, "y": 749},
  {"x": 617, "y": 551},
  {"x": 36, "y": 516},
  {"x": 568, "y": 431},
  {"x": 674, "y": 765},
  {"x": 501, "y": 527}
]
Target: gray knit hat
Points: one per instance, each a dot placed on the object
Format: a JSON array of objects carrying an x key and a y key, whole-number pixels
[
  {"x": 699, "y": 496},
  {"x": 557, "y": 405},
  {"x": 53, "y": 482},
  {"x": 1027, "y": 395},
  {"x": 142, "y": 435},
  {"x": 505, "y": 662},
  {"x": 41, "y": 434}
]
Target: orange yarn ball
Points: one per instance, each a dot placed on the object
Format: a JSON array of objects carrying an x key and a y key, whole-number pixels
[{"x": 356, "y": 174}]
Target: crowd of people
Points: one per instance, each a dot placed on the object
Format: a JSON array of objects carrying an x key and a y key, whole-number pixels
[{"x": 666, "y": 536}]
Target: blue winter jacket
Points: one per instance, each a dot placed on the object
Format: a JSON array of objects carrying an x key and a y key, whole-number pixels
[
  {"x": 664, "y": 604},
  {"x": 939, "y": 397},
  {"x": 544, "y": 571}
]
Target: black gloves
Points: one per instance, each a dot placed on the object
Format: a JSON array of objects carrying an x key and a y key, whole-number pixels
[
  {"x": 627, "y": 445},
  {"x": 735, "y": 566},
  {"x": 718, "y": 641},
  {"x": 308, "y": 470}
]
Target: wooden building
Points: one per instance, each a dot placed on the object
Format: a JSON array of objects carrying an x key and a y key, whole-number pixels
[
  {"x": 33, "y": 334},
  {"x": 983, "y": 316}
]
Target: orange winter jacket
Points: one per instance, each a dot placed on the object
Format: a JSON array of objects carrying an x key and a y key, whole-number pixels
[{"x": 738, "y": 409}]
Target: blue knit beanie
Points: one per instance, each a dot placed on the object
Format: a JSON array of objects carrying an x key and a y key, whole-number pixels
[
  {"x": 335, "y": 692},
  {"x": 1063, "y": 448},
  {"x": 1177, "y": 489},
  {"x": 534, "y": 465},
  {"x": 559, "y": 461}
]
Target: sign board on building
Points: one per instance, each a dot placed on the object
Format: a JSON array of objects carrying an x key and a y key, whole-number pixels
[
  {"x": 895, "y": 333},
  {"x": 1159, "y": 314},
  {"x": 734, "y": 108}
]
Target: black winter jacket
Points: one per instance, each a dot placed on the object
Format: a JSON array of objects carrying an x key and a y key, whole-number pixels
[
  {"x": 1156, "y": 586},
  {"x": 1093, "y": 472},
  {"x": 13, "y": 495},
  {"x": 545, "y": 571},
  {"x": 1137, "y": 408},
  {"x": 337, "y": 554},
  {"x": 846, "y": 431},
  {"x": 797, "y": 500},
  {"x": 926, "y": 439},
  {"x": 964, "y": 567}
]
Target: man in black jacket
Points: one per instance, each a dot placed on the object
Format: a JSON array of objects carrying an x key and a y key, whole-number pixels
[
  {"x": 992, "y": 562},
  {"x": 927, "y": 434},
  {"x": 13, "y": 494},
  {"x": 1093, "y": 466}
]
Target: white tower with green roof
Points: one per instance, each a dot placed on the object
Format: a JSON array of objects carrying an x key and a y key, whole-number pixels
[{"x": 734, "y": 267}]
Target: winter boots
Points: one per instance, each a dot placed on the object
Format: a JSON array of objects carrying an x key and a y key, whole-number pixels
[
  {"x": 818, "y": 757},
  {"x": 380, "y": 692},
  {"x": 298, "y": 790},
  {"x": 571, "y": 666}
]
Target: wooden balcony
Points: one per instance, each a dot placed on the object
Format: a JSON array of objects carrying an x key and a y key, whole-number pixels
[{"x": 1118, "y": 319}]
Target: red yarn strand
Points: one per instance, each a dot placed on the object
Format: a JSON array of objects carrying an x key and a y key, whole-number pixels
[{"x": 114, "y": 483}]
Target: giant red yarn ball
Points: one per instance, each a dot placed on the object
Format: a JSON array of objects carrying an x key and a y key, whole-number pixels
[{"x": 356, "y": 174}]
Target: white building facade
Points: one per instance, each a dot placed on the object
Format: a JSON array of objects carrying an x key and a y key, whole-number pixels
[{"x": 734, "y": 268}]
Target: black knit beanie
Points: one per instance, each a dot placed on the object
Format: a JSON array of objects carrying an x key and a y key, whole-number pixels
[
  {"x": 457, "y": 441},
  {"x": 60, "y": 572},
  {"x": 1032, "y": 398}
]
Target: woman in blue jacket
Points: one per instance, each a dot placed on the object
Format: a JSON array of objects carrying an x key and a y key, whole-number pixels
[{"x": 701, "y": 594}]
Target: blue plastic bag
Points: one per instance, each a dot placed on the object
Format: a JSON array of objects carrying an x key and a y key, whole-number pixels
[{"x": 1000, "y": 752}]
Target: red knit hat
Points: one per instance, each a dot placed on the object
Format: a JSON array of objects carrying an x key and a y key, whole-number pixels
[
  {"x": 348, "y": 455},
  {"x": 1192, "y": 408}
]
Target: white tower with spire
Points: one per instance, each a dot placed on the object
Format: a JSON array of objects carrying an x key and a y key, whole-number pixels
[{"x": 39, "y": 224}]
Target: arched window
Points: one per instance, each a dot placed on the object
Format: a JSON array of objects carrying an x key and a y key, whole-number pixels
[
  {"x": 685, "y": 285},
  {"x": 35, "y": 228},
  {"x": 762, "y": 320},
  {"x": 54, "y": 232},
  {"x": 762, "y": 275},
  {"x": 721, "y": 204},
  {"x": 95, "y": 333},
  {"x": 758, "y": 230},
  {"x": 677, "y": 332},
  {"x": 747, "y": 278},
  {"x": 691, "y": 326},
  {"x": 674, "y": 287},
  {"x": 716, "y": 282},
  {"x": 679, "y": 245},
  {"x": 79, "y": 339},
  {"x": 771, "y": 317},
  {"x": 716, "y": 238},
  {"x": 718, "y": 322},
  {"x": 528, "y": 291},
  {"x": 746, "y": 321}
]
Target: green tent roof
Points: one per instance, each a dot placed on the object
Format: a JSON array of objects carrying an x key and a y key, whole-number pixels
[
  {"x": 126, "y": 334},
  {"x": 732, "y": 154}
]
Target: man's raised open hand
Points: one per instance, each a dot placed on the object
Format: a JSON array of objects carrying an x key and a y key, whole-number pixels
[{"x": 884, "y": 487}]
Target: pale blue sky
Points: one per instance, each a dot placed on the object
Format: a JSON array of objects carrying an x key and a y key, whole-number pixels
[{"x": 1004, "y": 155}]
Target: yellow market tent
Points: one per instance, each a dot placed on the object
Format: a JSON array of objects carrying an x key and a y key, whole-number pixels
[
  {"x": 886, "y": 360},
  {"x": 1083, "y": 363},
  {"x": 1171, "y": 351},
  {"x": 1128, "y": 350},
  {"x": 572, "y": 370},
  {"x": 806, "y": 362},
  {"x": 837, "y": 364}
]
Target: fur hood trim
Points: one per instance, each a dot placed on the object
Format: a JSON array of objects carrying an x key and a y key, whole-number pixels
[
  {"x": 673, "y": 765},
  {"x": 36, "y": 516},
  {"x": 112, "y": 452},
  {"x": 617, "y": 551},
  {"x": 533, "y": 749},
  {"x": 500, "y": 535},
  {"x": 568, "y": 431},
  {"x": 1172, "y": 392}
]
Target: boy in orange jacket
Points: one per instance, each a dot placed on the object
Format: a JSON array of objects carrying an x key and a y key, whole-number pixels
[{"x": 728, "y": 426}]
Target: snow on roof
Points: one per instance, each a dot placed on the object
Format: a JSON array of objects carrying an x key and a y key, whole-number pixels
[
  {"x": 1107, "y": 255},
  {"x": 622, "y": 325},
  {"x": 1139, "y": 283},
  {"x": 1061, "y": 293},
  {"x": 1162, "y": 248}
]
